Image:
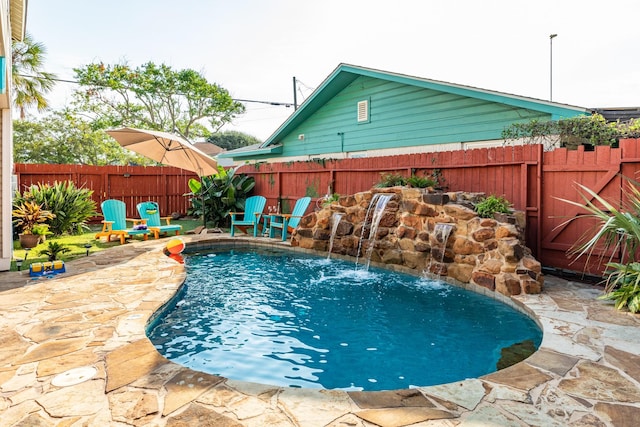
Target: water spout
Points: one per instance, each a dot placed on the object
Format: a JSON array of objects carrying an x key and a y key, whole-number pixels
[
  {"x": 335, "y": 221},
  {"x": 441, "y": 233},
  {"x": 378, "y": 204}
]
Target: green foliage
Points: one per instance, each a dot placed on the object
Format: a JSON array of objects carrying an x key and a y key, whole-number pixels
[
  {"x": 420, "y": 181},
  {"x": 388, "y": 179},
  {"x": 30, "y": 83},
  {"x": 223, "y": 192},
  {"x": 623, "y": 284},
  {"x": 154, "y": 97},
  {"x": 230, "y": 140},
  {"x": 26, "y": 214},
  {"x": 326, "y": 201},
  {"x": 592, "y": 129},
  {"x": 617, "y": 228},
  {"x": 491, "y": 205},
  {"x": 72, "y": 206},
  {"x": 66, "y": 137},
  {"x": 54, "y": 249},
  {"x": 41, "y": 229}
]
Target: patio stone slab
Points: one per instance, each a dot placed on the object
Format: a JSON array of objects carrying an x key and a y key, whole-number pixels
[
  {"x": 551, "y": 361},
  {"x": 521, "y": 376},
  {"x": 186, "y": 386},
  {"x": 620, "y": 415},
  {"x": 87, "y": 398},
  {"x": 398, "y": 417},
  {"x": 130, "y": 362},
  {"x": 389, "y": 399},
  {"x": 465, "y": 393},
  {"x": 138, "y": 406},
  {"x": 198, "y": 415},
  {"x": 627, "y": 362},
  {"x": 596, "y": 381},
  {"x": 53, "y": 348}
]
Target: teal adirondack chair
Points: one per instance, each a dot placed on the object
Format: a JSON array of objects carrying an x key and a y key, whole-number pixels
[
  {"x": 253, "y": 207},
  {"x": 288, "y": 222},
  {"x": 115, "y": 222},
  {"x": 150, "y": 212}
]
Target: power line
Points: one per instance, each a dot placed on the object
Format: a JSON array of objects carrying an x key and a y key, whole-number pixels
[{"x": 279, "y": 104}]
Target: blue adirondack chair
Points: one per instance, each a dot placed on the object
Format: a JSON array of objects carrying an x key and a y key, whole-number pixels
[
  {"x": 150, "y": 212},
  {"x": 115, "y": 222},
  {"x": 253, "y": 207},
  {"x": 288, "y": 222}
]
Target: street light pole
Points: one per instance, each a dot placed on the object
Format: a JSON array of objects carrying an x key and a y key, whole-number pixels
[{"x": 551, "y": 37}]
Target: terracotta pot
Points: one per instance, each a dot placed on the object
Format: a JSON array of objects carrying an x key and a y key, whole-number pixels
[{"x": 29, "y": 240}]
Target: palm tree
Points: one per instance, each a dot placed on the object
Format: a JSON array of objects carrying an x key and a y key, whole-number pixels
[{"x": 30, "y": 83}]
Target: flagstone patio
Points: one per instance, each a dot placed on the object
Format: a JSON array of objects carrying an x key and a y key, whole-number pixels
[{"x": 73, "y": 352}]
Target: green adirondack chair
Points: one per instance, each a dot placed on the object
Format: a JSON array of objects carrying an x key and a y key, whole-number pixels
[
  {"x": 286, "y": 223},
  {"x": 253, "y": 207},
  {"x": 150, "y": 212},
  {"x": 115, "y": 222}
]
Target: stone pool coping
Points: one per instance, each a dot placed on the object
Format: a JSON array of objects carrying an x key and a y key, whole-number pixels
[{"x": 586, "y": 372}]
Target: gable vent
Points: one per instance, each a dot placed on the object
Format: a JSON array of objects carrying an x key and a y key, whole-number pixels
[{"x": 363, "y": 111}]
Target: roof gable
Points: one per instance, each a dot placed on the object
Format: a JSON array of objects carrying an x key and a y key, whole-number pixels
[{"x": 345, "y": 74}]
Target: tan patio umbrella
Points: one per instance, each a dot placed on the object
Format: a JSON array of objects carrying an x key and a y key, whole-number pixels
[{"x": 168, "y": 149}]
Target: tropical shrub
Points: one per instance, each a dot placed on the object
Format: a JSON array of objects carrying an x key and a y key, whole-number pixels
[
  {"x": 388, "y": 179},
  {"x": 221, "y": 193},
  {"x": 491, "y": 205},
  {"x": 618, "y": 228},
  {"x": 594, "y": 130},
  {"x": 420, "y": 181},
  {"x": 27, "y": 215},
  {"x": 72, "y": 206},
  {"x": 53, "y": 250}
]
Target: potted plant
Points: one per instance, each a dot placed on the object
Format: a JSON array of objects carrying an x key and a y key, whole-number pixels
[
  {"x": 41, "y": 230},
  {"x": 26, "y": 216}
]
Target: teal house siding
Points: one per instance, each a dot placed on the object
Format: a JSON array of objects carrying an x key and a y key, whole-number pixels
[{"x": 403, "y": 111}]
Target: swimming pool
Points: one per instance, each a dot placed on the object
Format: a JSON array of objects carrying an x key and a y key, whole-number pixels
[{"x": 289, "y": 319}]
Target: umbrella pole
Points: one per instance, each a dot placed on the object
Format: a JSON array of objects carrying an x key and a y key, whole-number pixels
[{"x": 204, "y": 212}]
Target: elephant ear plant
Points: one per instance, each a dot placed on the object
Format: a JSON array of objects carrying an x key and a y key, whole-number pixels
[
  {"x": 221, "y": 193},
  {"x": 618, "y": 230}
]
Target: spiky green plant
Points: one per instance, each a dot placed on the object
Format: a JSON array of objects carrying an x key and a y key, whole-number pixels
[
  {"x": 618, "y": 228},
  {"x": 72, "y": 206}
]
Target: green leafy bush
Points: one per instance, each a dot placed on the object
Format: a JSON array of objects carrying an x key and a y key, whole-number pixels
[
  {"x": 222, "y": 193},
  {"x": 491, "y": 205},
  {"x": 594, "y": 130},
  {"x": 391, "y": 180},
  {"x": 327, "y": 200},
  {"x": 420, "y": 181},
  {"x": 72, "y": 206}
]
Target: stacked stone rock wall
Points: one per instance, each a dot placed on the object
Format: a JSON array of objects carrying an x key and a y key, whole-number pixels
[{"x": 489, "y": 252}]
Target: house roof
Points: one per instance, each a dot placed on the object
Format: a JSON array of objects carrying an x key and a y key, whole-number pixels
[{"x": 345, "y": 74}]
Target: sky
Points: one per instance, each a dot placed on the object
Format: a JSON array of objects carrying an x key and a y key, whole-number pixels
[{"x": 254, "y": 48}]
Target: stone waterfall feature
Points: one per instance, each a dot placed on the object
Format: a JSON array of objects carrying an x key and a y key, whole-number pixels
[{"x": 489, "y": 252}]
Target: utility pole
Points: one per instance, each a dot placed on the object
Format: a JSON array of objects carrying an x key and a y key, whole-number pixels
[
  {"x": 551, "y": 37},
  {"x": 295, "y": 96}
]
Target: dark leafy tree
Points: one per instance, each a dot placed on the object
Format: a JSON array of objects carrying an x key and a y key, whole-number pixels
[
  {"x": 66, "y": 137},
  {"x": 155, "y": 97},
  {"x": 230, "y": 140}
]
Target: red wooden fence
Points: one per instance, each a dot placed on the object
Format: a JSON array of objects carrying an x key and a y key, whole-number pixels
[
  {"x": 131, "y": 184},
  {"x": 531, "y": 179}
]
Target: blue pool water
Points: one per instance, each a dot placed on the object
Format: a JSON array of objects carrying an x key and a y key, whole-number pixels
[{"x": 275, "y": 317}]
